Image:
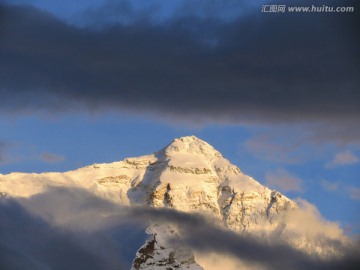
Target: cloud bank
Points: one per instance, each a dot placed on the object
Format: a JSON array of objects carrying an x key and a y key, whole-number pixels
[
  {"x": 90, "y": 233},
  {"x": 256, "y": 67}
]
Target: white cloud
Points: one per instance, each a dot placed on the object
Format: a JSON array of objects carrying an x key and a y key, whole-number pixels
[
  {"x": 215, "y": 261},
  {"x": 329, "y": 186},
  {"x": 313, "y": 225},
  {"x": 342, "y": 159},
  {"x": 283, "y": 180}
]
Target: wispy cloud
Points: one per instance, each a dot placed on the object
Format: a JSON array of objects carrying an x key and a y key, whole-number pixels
[
  {"x": 51, "y": 157},
  {"x": 350, "y": 191},
  {"x": 2, "y": 152},
  {"x": 343, "y": 159},
  {"x": 329, "y": 186},
  {"x": 263, "y": 147},
  {"x": 284, "y": 181},
  {"x": 5, "y": 155},
  {"x": 281, "y": 144},
  {"x": 354, "y": 193}
]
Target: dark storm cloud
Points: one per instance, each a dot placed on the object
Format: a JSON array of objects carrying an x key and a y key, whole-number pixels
[
  {"x": 260, "y": 66},
  {"x": 80, "y": 231},
  {"x": 126, "y": 11}
]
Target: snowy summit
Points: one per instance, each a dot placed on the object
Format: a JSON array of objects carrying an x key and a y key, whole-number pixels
[{"x": 188, "y": 175}]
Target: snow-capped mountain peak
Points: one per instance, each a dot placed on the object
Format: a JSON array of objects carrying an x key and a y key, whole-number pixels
[
  {"x": 191, "y": 145},
  {"x": 188, "y": 175}
]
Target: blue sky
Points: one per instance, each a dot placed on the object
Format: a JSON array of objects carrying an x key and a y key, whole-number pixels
[{"x": 278, "y": 95}]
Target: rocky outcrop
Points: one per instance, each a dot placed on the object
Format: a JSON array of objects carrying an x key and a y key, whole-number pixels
[{"x": 157, "y": 253}]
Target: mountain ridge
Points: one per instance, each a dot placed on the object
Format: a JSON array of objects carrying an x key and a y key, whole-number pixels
[{"x": 187, "y": 175}]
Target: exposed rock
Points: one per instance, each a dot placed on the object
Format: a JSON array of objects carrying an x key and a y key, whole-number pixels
[
  {"x": 159, "y": 254},
  {"x": 113, "y": 179}
]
